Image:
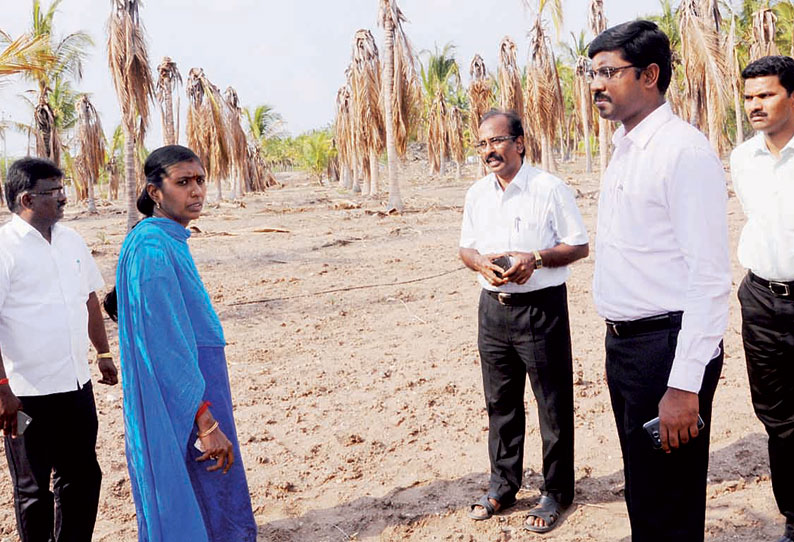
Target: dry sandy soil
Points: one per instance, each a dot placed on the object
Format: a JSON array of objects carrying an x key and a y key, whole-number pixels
[{"x": 359, "y": 400}]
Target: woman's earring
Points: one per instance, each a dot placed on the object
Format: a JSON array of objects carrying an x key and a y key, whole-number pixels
[{"x": 158, "y": 205}]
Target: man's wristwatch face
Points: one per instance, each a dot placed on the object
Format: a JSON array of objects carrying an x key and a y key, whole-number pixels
[{"x": 538, "y": 261}]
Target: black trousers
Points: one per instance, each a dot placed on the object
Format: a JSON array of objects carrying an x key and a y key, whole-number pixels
[
  {"x": 59, "y": 442},
  {"x": 665, "y": 493},
  {"x": 768, "y": 336},
  {"x": 515, "y": 341}
]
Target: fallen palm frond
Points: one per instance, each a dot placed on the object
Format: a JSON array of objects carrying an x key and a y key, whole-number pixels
[{"x": 168, "y": 80}]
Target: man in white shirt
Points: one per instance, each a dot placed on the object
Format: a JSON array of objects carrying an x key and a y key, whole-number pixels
[
  {"x": 48, "y": 312},
  {"x": 521, "y": 229},
  {"x": 662, "y": 280},
  {"x": 762, "y": 169}
]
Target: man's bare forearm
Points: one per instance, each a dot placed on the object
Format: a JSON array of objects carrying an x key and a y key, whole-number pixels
[{"x": 96, "y": 325}]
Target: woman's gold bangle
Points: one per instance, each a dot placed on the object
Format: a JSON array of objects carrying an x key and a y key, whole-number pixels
[
  {"x": 105, "y": 355},
  {"x": 208, "y": 431}
]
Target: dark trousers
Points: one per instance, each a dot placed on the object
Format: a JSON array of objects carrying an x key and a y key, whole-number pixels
[
  {"x": 59, "y": 442},
  {"x": 768, "y": 336},
  {"x": 515, "y": 341},
  {"x": 665, "y": 493}
]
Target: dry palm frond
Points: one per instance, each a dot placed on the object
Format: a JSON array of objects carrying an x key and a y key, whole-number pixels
[
  {"x": 91, "y": 159},
  {"x": 129, "y": 66},
  {"x": 480, "y": 95},
  {"x": 168, "y": 80},
  {"x": 207, "y": 133},
  {"x": 596, "y": 20},
  {"x": 544, "y": 99},
  {"x": 455, "y": 134},
  {"x": 238, "y": 145},
  {"x": 705, "y": 67},
  {"x": 437, "y": 132},
  {"x": 511, "y": 95},
  {"x": 764, "y": 30},
  {"x": 343, "y": 135},
  {"x": 48, "y": 143}
]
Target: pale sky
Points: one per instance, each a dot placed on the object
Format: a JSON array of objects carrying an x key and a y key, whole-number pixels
[{"x": 290, "y": 54}]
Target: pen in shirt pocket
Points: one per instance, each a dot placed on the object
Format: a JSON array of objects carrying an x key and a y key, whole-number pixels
[{"x": 517, "y": 223}]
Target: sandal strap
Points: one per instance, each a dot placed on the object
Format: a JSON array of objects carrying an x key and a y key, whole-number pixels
[{"x": 485, "y": 503}]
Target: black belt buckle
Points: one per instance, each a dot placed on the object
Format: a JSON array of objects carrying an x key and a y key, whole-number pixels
[
  {"x": 783, "y": 288},
  {"x": 613, "y": 327},
  {"x": 503, "y": 298}
]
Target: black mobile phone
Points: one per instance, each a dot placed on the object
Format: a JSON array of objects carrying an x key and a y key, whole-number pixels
[
  {"x": 652, "y": 427},
  {"x": 503, "y": 262},
  {"x": 23, "y": 421}
]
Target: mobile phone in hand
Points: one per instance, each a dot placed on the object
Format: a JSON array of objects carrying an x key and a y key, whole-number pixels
[
  {"x": 23, "y": 421},
  {"x": 503, "y": 262},
  {"x": 652, "y": 427}
]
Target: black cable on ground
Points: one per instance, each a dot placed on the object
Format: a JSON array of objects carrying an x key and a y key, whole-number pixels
[{"x": 347, "y": 289}]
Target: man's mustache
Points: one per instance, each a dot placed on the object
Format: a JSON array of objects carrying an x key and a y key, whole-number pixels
[
  {"x": 494, "y": 156},
  {"x": 600, "y": 96},
  {"x": 757, "y": 114}
]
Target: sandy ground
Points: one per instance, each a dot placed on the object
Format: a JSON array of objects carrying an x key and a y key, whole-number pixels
[{"x": 360, "y": 412}]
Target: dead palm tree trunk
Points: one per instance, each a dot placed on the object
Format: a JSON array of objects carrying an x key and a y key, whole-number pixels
[
  {"x": 401, "y": 92},
  {"x": 132, "y": 78},
  {"x": 92, "y": 146},
  {"x": 168, "y": 80}
]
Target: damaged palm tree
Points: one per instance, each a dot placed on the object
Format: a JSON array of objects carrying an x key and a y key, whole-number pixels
[
  {"x": 168, "y": 80},
  {"x": 544, "y": 101},
  {"x": 598, "y": 23},
  {"x": 437, "y": 132},
  {"x": 480, "y": 98},
  {"x": 705, "y": 67},
  {"x": 132, "y": 79},
  {"x": 401, "y": 92},
  {"x": 511, "y": 95},
  {"x": 206, "y": 127},
  {"x": 238, "y": 145},
  {"x": 732, "y": 57},
  {"x": 343, "y": 136},
  {"x": 455, "y": 138},
  {"x": 368, "y": 120},
  {"x": 48, "y": 143},
  {"x": 91, "y": 139},
  {"x": 764, "y": 30}
]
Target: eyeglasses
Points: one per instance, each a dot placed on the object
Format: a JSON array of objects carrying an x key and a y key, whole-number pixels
[
  {"x": 56, "y": 192},
  {"x": 494, "y": 142},
  {"x": 607, "y": 72}
]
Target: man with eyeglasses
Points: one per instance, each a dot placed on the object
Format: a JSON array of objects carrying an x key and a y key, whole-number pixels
[
  {"x": 48, "y": 312},
  {"x": 662, "y": 280},
  {"x": 762, "y": 170},
  {"x": 521, "y": 229}
]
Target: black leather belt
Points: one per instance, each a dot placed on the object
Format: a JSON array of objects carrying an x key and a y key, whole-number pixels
[
  {"x": 780, "y": 289},
  {"x": 660, "y": 322},
  {"x": 512, "y": 299}
]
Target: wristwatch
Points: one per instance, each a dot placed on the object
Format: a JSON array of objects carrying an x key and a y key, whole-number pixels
[{"x": 538, "y": 259}]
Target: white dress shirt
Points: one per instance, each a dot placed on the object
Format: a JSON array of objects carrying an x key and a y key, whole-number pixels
[
  {"x": 536, "y": 211},
  {"x": 43, "y": 315},
  {"x": 662, "y": 238},
  {"x": 765, "y": 187}
]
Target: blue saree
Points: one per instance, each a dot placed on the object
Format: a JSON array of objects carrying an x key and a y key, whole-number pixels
[{"x": 172, "y": 359}]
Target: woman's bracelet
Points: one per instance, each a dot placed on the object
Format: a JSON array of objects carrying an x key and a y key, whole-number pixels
[
  {"x": 3, "y": 381},
  {"x": 104, "y": 355},
  {"x": 208, "y": 431},
  {"x": 204, "y": 406}
]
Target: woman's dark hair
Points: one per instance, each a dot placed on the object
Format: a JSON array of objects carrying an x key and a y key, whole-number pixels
[
  {"x": 514, "y": 125},
  {"x": 641, "y": 44},
  {"x": 23, "y": 176},
  {"x": 155, "y": 168},
  {"x": 782, "y": 66}
]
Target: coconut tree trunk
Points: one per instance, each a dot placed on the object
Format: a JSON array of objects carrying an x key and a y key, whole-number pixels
[
  {"x": 219, "y": 186},
  {"x": 603, "y": 144},
  {"x": 346, "y": 179},
  {"x": 584, "y": 106},
  {"x": 374, "y": 172},
  {"x": 130, "y": 180},
  {"x": 737, "y": 105},
  {"x": 91, "y": 201},
  {"x": 357, "y": 182},
  {"x": 395, "y": 200},
  {"x": 457, "y": 171},
  {"x": 442, "y": 164},
  {"x": 169, "y": 132},
  {"x": 711, "y": 116}
]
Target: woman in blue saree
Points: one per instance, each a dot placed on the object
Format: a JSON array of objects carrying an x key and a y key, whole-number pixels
[{"x": 177, "y": 400}]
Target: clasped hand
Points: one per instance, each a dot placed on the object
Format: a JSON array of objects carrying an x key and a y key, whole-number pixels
[{"x": 520, "y": 272}]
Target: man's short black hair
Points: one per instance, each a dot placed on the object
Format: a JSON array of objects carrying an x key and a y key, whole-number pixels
[
  {"x": 640, "y": 43},
  {"x": 782, "y": 66},
  {"x": 514, "y": 124},
  {"x": 23, "y": 175}
]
